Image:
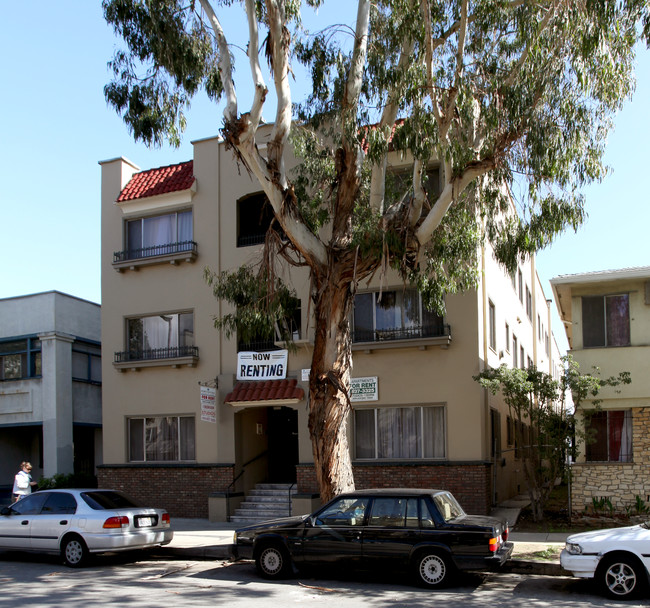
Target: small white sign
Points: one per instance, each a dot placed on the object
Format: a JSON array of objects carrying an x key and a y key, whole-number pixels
[
  {"x": 305, "y": 374},
  {"x": 262, "y": 366},
  {"x": 208, "y": 404},
  {"x": 364, "y": 389}
]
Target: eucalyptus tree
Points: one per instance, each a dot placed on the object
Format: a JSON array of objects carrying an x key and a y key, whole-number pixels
[{"x": 496, "y": 93}]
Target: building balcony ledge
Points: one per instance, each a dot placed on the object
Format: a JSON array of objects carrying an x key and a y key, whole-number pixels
[
  {"x": 403, "y": 339},
  {"x": 187, "y": 356},
  {"x": 173, "y": 254}
]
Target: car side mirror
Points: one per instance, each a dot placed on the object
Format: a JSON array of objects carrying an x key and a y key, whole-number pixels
[{"x": 6, "y": 511}]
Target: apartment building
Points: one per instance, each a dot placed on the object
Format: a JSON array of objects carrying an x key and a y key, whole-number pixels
[
  {"x": 607, "y": 321},
  {"x": 50, "y": 385},
  {"x": 193, "y": 421}
]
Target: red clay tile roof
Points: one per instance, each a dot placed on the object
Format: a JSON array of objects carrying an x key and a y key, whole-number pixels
[
  {"x": 162, "y": 180},
  {"x": 268, "y": 390}
]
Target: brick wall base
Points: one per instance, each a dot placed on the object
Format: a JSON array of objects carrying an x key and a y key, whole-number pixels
[
  {"x": 469, "y": 483},
  {"x": 182, "y": 490}
]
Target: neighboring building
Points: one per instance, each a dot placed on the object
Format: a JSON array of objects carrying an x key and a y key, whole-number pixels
[
  {"x": 419, "y": 419},
  {"x": 50, "y": 385},
  {"x": 607, "y": 320}
]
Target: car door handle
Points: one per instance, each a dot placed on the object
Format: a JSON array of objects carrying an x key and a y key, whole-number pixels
[
  {"x": 63, "y": 522},
  {"x": 25, "y": 522}
]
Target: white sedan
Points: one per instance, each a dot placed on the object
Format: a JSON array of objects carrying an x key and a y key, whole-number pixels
[
  {"x": 618, "y": 558},
  {"x": 74, "y": 523}
]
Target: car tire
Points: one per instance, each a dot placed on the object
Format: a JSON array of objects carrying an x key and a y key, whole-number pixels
[
  {"x": 272, "y": 561},
  {"x": 621, "y": 576},
  {"x": 74, "y": 551},
  {"x": 432, "y": 569}
]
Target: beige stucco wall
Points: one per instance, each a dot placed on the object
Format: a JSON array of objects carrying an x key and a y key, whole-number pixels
[{"x": 407, "y": 375}]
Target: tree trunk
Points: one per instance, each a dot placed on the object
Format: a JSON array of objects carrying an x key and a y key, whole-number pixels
[{"x": 329, "y": 386}]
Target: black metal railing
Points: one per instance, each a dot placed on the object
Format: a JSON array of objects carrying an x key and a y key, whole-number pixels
[
  {"x": 152, "y": 354},
  {"x": 155, "y": 250},
  {"x": 257, "y": 346},
  {"x": 439, "y": 330}
]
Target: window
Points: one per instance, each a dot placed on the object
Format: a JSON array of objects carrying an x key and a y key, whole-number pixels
[
  {"x": 546, "y": 343},
  {"x": 254, "y": 217},
  {"x": 394, "y": 512},
  {"x": 399, "y": 184},
  {"x": 529, "y": 304},
  {"x": 20, "y": 359},
  {"x": 289, "y": 328},
  {"x": 510, "y": 431},
  {"x": 609, "y": 436},
  {"x": 515, "y": 362},
  {"x": 507, "y": 338},
  {"x": 86, "y": 363},
  {"x": 495, "y": 419},
  {"x": 521, "y": 286},
  {"x": 60, "y": 503},
  {"x": 522, "y": 360},
  {"x": 394, "y": 315},
  {"x": 606, "y": 320},
  {"x": 159, "y": 235},
  {"x": 400, "y": 432},
  {"x": 493, "y": 326},
  {"x": 344, "y": 512},
  {"x": 162, "y": 438},
  {"x": 160, "y": 336}
]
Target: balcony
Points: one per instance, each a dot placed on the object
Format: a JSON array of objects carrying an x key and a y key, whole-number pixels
[
  {"x": 175, "y": 356},
  {"x": 169, "y": 253},
  {"x": 421, "y": 336}
]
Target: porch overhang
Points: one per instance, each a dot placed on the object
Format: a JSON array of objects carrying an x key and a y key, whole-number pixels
[{"x": 265, "y": 393}]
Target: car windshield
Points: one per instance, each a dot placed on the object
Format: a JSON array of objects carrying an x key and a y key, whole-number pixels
[
  {"x": 102, "y": 500},
  {"x": 448, "y": 507}
]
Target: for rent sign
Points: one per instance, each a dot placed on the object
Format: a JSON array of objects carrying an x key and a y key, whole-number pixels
[
  {"x": 262, "y": 366},
  {"x": 364, "y": 389}
]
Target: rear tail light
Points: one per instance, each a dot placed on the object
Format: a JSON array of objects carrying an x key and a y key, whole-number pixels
[
  {"x": 505, "y": 534},
  {"x": 121, "y": 521},
  {"x": 494, "y": 544},
  {"x": 165, "y": 519}
]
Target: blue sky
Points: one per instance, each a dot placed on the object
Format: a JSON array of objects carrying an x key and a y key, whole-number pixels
[{"x": 56, "y": 126}]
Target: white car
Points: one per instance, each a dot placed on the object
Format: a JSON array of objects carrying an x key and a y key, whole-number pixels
[
  {"x": 618, "y": 558},
  {"x": 74, "y": 523}
]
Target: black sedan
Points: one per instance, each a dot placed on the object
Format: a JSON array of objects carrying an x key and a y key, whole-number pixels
[{"x": 424, "y": 530}]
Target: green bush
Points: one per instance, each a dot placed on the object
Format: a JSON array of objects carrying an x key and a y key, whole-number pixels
[{"x": 70, "y": 480}]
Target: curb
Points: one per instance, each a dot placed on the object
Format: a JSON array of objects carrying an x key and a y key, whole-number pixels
[{"x": 222, "y": 552}]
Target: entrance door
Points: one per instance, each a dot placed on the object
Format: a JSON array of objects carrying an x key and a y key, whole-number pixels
[{"x": 283, "y": 444}]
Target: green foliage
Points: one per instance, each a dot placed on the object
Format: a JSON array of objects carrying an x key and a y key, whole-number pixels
[
  {"x": 537, "y": 400},
  {"x": 170, "y": 57},
  {"x": 69, "y": 480},
  {"x": 262, "y": 306}
]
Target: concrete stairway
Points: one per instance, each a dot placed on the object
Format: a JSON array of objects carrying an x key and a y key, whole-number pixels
[{"x": 265, "y": 501}]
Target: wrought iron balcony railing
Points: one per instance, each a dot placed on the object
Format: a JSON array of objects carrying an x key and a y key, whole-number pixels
[
  {"x": 153, "y": 354},
  {"x": 439, "y": 330},
  {"x": 155, "y": 250}
]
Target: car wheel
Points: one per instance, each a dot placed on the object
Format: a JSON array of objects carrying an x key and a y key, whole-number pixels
[
  {"x": 272, "y": 561},
  {"x": 74, "y": 551},
  {"x": 621, "y": 576},
  {"x": 432, "y": 569}
]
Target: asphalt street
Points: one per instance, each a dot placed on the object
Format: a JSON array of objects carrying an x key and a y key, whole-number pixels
[{"x": 130, "y": 580}]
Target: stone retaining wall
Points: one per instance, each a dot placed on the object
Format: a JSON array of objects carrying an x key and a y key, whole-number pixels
[{"x": 620, "y": 482}]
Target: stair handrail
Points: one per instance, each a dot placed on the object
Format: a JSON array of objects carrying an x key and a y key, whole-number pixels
[
  {"x": 290, "y": 501},
  {"x": 236, "y": 479}
]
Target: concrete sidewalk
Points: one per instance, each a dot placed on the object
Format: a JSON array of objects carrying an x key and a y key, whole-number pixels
[{"x": 203, "y": 539}]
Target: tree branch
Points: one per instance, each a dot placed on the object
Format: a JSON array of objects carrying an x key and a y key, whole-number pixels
[
  {"x": 256, "y": 71},
  {"x": 225, "y": 65},
  {"x": 279, "y": 38}
]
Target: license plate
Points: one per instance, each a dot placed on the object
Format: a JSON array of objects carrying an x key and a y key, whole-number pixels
[{"x": 145, "y": 522}]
